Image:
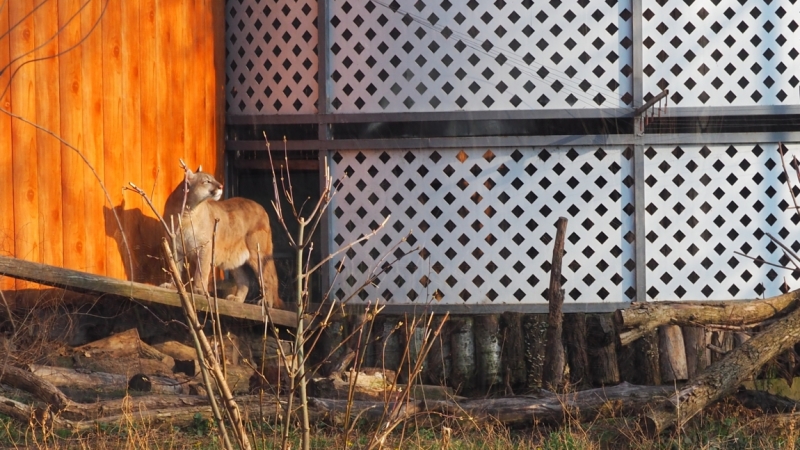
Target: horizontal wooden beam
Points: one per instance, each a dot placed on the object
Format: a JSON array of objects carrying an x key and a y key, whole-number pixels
[
  {"x": 299, "y": 165},
  {"x": 74, "y": 280}
]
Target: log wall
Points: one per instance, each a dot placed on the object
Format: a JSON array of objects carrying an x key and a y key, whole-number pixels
[
  {"x": 132, "y": 85},
  {"x": 504, "y": 354}
]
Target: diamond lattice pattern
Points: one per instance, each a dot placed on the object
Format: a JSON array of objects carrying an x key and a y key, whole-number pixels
[
  {"x": 705, "y": 204},
  {"x": 271, "y": 61},
  {"x": 483, "y": 222},
  {"x": 722, "y": 52},
  {"x": 432, "y": 55}
]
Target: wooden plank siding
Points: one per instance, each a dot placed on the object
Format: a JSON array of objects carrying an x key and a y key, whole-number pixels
[
  {"x": 48, "y": 149},
  {"x": 70, "y": 104},
  {"x": 6, "y": 160},
  {"x": 133, "y": 85},
  {"x": 131, "y": 131},
  {"x": 23, "y": 136}
]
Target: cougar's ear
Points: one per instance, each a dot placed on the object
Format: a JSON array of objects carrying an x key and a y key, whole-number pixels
[{"x": 199, "y": 168}]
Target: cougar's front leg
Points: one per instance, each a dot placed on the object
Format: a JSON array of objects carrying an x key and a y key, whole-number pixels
[{"x": 202, "y": 271}]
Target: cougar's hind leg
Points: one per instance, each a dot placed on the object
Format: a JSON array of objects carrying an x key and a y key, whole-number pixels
[
  {"x": 242, "y": 285},
  {"x": 269, "y": 277}
]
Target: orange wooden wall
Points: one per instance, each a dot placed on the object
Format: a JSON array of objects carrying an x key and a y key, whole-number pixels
[{"x": 133, "y": 85}]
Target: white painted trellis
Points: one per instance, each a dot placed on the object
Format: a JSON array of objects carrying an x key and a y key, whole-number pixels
[
  {"x": 471, "y": 209},
  {"x": 483, "y": 221}
]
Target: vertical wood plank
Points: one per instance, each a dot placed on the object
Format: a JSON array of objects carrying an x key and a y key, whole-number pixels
[
  {"x": 71, "y": 105},
  {"x": 153, "y": 179},
  {"x": 215, "y": 82},
  {"x": 6, "y": 160},
  {"x": 194, "y": 106},
  {"x": 170, "y": 100},
  {"x": 23, "y": 136},
  {"x": 132, "y": 130},
  {"x": 113, "y": 143},
  {"x": 92, "y": 74},
  {"x": 48, "y": 148},
  {"x": 205, "y": 59}
]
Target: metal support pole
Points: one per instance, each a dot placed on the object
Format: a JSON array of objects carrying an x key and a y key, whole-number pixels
[
  {"x": 638, "y": 159},
  {"x": 323, "y": 130}
]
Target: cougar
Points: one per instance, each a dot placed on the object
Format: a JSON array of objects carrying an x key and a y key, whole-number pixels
[{"x": 243, "y": 233}]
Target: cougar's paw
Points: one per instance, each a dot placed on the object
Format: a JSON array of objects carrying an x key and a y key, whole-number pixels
[
  {"x": 167, "y": 285},
  {"x": 234, "y": 298}
]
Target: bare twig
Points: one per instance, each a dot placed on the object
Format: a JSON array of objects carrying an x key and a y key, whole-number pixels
[
  {"x": 204, "y": 348},
  {"x": 793, "y": 256},
  {"x": 8, "y": 311},
  {"x": 786, "y": 174},
  {"x": 762, "y": 261}
]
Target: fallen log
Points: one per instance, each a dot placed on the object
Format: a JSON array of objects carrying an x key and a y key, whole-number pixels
[
  {"x": 766, "y": 402},
  {"x": 86, "y": 282},
  {"x": 367, "y": 384},
  {"x": 723, "y": 376},
  {"x": 63, "y": 377},
  {"x": 641, "y": 318},
  {"x": 623, "y": 399}
]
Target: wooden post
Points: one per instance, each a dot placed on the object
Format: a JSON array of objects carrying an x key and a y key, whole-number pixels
[
  {"x": 647, "y": 359},
  {"x": 513, "y": 352},
  {"x": 331, "y": 348},
  {"x": 462, "y": 345},
  {"x": 575, "y": 339},
  {"x": 698, "y": 357},
  {"x": 387, "y": 343},
  {"x": 487, "y": 349},
  {"x": 602, "y": 349},
  {"x": 722, "y": 343},
  {"x": 534, "y": 327},
  {"x": 415, "y": 339},
  {"x": 439, "y": 361},
  {"x": 360, "y": 342},
  {"x": 553, "y": 371},
  {"x": 672, "y": 353}
]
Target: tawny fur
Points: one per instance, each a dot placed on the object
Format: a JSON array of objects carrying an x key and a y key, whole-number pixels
[{"x": 243, "y": 233}]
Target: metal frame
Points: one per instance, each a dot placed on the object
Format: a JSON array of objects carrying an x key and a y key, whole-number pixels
[
  {"x": 638, "y": 141},
  {"x": 511, "y": 141},
  {"x": 604, "y": 113}
]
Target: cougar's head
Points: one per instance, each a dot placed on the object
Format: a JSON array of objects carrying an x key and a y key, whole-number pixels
[{"x": 202, "y": 187}]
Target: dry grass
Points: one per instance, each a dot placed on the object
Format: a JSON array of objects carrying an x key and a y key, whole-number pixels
[{"x": 725, "y": 426}]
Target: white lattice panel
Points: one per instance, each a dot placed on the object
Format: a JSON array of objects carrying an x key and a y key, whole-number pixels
[
  {"x": 484, "y": 221},
  {"x": 271, "y": 60},
  {"x": 704, "y": 204},
  {"x": 722, "y": 52},
  {"x": 432, "y": 55}
]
